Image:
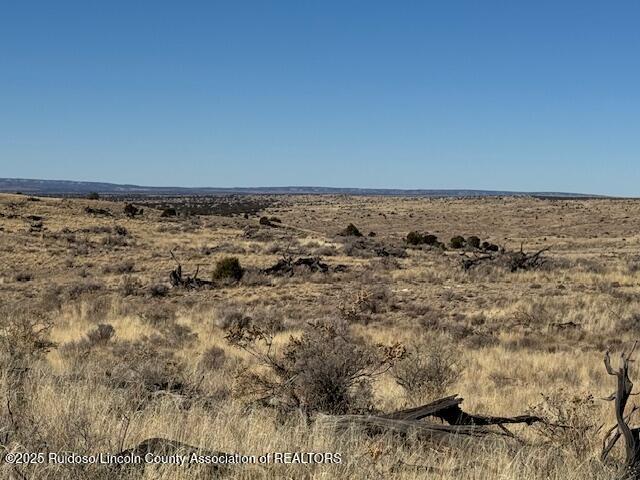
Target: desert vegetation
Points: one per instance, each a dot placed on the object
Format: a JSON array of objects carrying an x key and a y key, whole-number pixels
[{"x": 417, "y": 338}]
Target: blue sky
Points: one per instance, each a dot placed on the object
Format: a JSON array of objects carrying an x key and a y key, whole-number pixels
[{"x": 458, "y": 94}]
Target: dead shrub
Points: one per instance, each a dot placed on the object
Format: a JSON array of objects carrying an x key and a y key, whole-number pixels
[
  {"x": 430, "y": 368},
  {"x": 158, "y": 290},
  {"x": 128, "y": 266},
  {"x": 120, "y": 230},
  {"x": 364, "y": 247},
  {"x": 115, "y": 241},
  {"x": 256, "y": 278},
  {"x": 172, "y": 335},
  {"x": 157, "y": 313},
  {"x": 633, "y": 265},
  {"x": 51, "y": 298},
  {"x": 213, "y": 358},
  {"x": 365, "y": 303},
  {"x": 129, "y": 286},
  {"x": 572, "y": 421},
  {"x": 324, "y": 251},
  {"x": 76, "y": 290},
  {"x": 95, "y": 308},
  {"x": 226, "y": 319},
  {"x": 101, "y": 334},
  {"x": 143, "y": 369},
  {"x": 327, "y": 369},
  {"x": 24, "y": 341}
]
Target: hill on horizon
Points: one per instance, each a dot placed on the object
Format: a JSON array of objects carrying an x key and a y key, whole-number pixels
[{"x": 73, "y": 188}]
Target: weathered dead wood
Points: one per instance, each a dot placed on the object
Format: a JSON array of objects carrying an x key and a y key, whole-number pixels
[
  {"x": 375, "y": 425},
  {"x": 287, "y": 266},
  {"x": 527, "y": 261},
  {"x": 447, "y": 409},
  {"x": 177, "y": 280},
  {"x": 621, "y": 396},
  {"x": 513, "y": 261},
  {"x": 469, "y": 262}
]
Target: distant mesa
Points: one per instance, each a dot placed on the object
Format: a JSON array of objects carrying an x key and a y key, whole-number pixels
[{"x": 75, "y": 188}]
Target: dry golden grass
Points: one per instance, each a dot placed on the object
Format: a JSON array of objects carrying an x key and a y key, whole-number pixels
[{"x": 81, "y": 273}]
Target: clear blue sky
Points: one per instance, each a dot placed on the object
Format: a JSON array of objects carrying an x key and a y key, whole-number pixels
[{"x": 536, "y": 95}]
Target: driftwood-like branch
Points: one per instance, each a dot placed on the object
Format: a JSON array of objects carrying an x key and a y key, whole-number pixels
[
  {"x": 411, "y": 421},
  {"x": 469, "y": 262},
  {"x": 527, "y": 261},
  {"x": 621, "y": 396},
  {"x": 448, "y": 409},
  {"x": 287, "y": 266},
  {"x": 177, "y": 280},
  {"x": 375, "y": 425}
]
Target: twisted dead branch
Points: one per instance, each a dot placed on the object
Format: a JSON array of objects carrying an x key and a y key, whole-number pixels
[
  {"x": 513, "y": 261},
  {"x": 177, "y": 280},
  {"x": 621, "y": 396}
]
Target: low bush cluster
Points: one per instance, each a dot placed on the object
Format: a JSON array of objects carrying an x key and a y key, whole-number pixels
[{"x": 326, "y": 369}]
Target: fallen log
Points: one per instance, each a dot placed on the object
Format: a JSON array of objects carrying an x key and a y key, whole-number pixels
[
  {"x": 374, "y": 425},
  {"x": 288, "y": 266},
  {"x": 448, "y": 409},
  {"x": 469, "y": 262},
  {"x": 411, "y": 422}
]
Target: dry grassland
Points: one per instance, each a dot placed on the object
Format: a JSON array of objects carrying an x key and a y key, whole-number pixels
[{"x": 515, "y": 341}]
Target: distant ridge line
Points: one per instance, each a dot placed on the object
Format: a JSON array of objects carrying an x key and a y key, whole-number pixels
[{"x": 74, "y": 188}]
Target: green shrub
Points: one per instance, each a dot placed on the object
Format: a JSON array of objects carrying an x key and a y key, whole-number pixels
[
  {"x": 228, "y": 268},
  {"x": 490, "y": 247},
  {"x": 431, "y": 240},
  {"x": 473, "y": 241},
  {"x": 351, "y": 231},
  {"x": 415, "y": 238},
  {"x": 457, "y": 242}
]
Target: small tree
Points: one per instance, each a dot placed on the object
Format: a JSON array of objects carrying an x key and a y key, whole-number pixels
[
  {"x": 351, "y": 231},
  {"x": 415, "y": 238},
  {"x": 473, "y": 241},
  {"x": 457, "y": 242}
]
